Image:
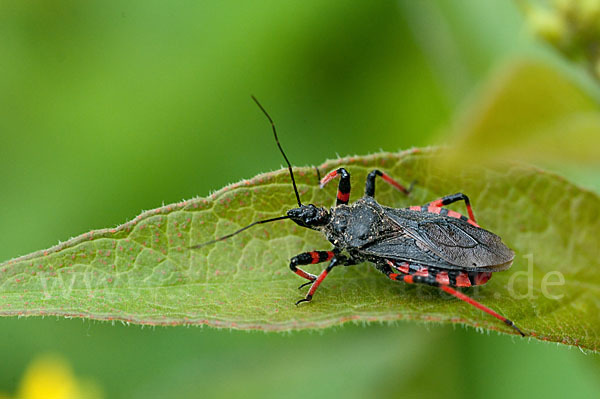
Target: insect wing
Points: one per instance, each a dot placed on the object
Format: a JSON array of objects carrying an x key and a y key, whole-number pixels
[
  {"x": 405, "y": 248},
  {"x": 458, "y": 242}
]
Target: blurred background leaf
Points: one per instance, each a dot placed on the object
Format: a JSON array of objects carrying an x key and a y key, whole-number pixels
[
  {"x": 531, "y": 112},
  {"x": 108, "y": 108}
]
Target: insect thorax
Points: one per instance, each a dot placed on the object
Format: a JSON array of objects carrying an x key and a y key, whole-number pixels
[{"x": 353, "y": 226}]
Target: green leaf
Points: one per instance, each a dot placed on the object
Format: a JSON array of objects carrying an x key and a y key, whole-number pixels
[{"x": 143, "y": 272}]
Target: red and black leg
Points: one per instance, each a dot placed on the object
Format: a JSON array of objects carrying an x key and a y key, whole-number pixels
[
  {"x": 336, "y": 261},
  {"x": 370, "y": 183},
  {"x": 343, "y": 194},
  {"x": 309, "y": 258},
  {"x": 434, "y": 278},
  {"x": 436, "y": 207}
]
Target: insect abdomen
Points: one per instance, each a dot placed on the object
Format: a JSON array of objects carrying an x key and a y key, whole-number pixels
[{"x": 453, "y": 278}]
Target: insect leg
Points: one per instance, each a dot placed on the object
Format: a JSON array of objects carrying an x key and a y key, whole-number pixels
[
  {"x": 479, "y": 306},
  {"x": 309, "y": 258},
  {"x": 336, "y": 261},
  {"x": 430, "y": 280},
  {"x": 449, "y": 199},
  {"x": 343, "y": 194},
  {"x": 370, "y": 183}
]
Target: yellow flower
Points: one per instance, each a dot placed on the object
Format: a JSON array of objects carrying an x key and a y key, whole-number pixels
[{"x": 51, "y": 377}]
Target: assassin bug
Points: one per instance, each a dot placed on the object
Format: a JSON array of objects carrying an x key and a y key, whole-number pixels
[{"x": 426, "y": 244}]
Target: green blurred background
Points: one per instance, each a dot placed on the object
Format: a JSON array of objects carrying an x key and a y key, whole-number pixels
[{"x": 108, "y": 108}]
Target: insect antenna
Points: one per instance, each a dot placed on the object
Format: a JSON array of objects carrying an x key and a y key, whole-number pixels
[
  {"x": 265, "y": 220},
  {"x": 239, "y": 231},
  {"x": 280, "y": 149}
]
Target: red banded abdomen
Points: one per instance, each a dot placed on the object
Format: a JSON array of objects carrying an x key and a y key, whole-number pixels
[{"x": 453, "y": 278}]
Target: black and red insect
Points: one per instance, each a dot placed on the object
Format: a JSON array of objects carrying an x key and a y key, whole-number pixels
[{"x": 426, "y": 244}]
